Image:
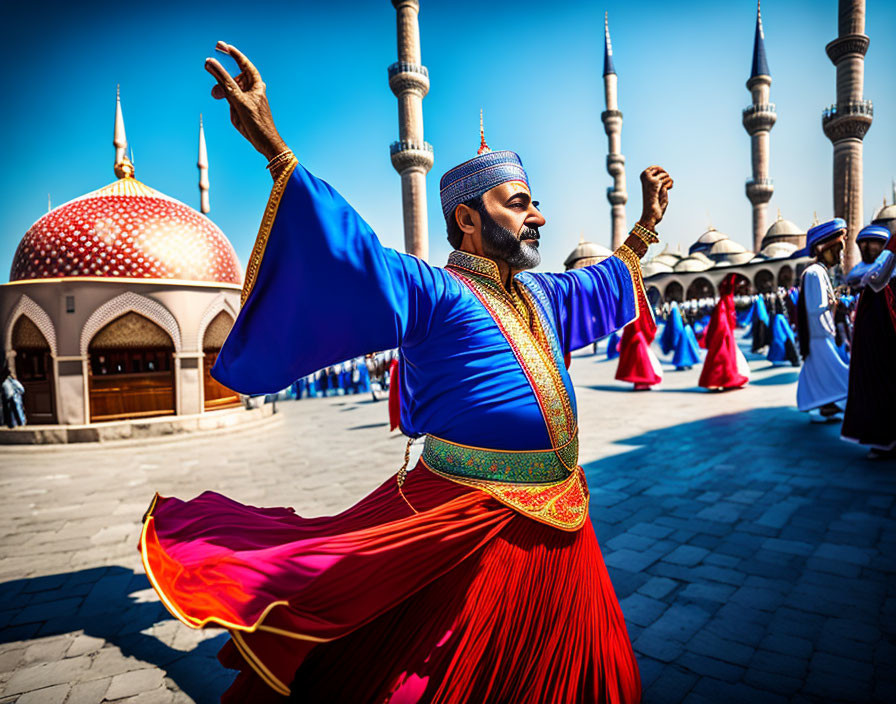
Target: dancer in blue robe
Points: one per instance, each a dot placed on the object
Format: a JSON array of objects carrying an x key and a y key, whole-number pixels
[
  {"x": 760, "y": 330},
  {"x": 613, "y": 346},
  {"x": 672, "y": 331},
  {"x": 783, "y": 347},
  {"x": 687, "y": 350},
  {"x": 745, "y": 317}
]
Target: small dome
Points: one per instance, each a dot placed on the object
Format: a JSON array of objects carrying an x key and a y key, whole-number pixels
[
  {"x": 784, "y": 231},
  {"x": 735, "y": 258},
  {"x": 126, "y": 230},
  {"x": 777, "y": 250},
  {"x": 585, "y": 254},
  {"x": 694, "y": 263},
  {"x": 652, "y": 268},
  {"x": 885, "y": 214},
  {"x": 726, "y": 246},
  {"x": 707, "y": 240}
]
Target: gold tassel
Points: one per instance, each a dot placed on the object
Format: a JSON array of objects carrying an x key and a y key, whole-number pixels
[{"x": 403, "y": 473}]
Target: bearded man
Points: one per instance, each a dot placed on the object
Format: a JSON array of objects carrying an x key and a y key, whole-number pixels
[
  {"x": 824, "y": 378},
  {"x": 476, "y": 576}
]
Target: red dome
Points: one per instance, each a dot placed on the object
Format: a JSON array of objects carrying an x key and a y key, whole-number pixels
[{"x": 126, "y": 230}]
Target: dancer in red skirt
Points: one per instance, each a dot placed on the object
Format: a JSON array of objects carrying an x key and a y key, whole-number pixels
[
  {"x": 725, "y": 366},
  {"x": 476, "y": 576}
]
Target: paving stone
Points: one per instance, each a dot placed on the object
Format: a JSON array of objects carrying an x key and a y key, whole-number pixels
[
  {"x": 686, "y": 555},
  {"x": 34, "y": 677},
  {"x": 91, "y": 691},
  {"x": 680, "y": 622},
  {"x": 658, "y": 587},
  {"x": 83, "y": 644},
  {"x": 641, "y": 610},
  {"x": 710, "y": 667},
  {"x": 671, "y": 687},
  {"x": 656, "y": 647},
  {"x": 47, "y": 695},
  {"x": 709, "y": 591},
  {"x": 704, "y": 643},
  {"x": 132, "y": 683}
]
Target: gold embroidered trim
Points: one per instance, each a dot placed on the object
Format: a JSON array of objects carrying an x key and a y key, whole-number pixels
[
  {"x": 532, "y": 352},
  {"x": 474, "y": 264},
  {"x": 563, "y": 504},
  {"x": 633, "y": 263},
  {"x": 264, "y": 230}
]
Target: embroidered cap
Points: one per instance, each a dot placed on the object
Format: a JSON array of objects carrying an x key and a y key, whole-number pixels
[
  {"x": 824, "y": 232},
  {"x": 873, "y": 232},
  {"x": 480, "y": 174}
]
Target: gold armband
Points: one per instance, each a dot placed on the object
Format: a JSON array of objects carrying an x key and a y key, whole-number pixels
[{"x": 648, "y": 237}]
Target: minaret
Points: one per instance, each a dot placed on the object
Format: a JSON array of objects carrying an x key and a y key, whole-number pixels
[
  {"x": 202, "y": 163},
  {"x": 846, "y": 122},
  {"x": 758, "y": 120},
  {"x": 612, "y": 119},
  {"x": 123, "y": 166},
  {"x": 411, "y": 156}
]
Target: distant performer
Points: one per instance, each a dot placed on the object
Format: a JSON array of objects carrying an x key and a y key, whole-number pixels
[
  {"x": 725, "y": 366},
  {"x": 870, "y": 417},
  {"x": 824, "y": 378},
  {"x": 476, "y": 576}
]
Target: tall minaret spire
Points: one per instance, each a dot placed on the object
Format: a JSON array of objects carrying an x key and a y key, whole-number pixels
[
  {"x": 847, "y": 121},
  {"x": 202, "y": 163},
  {"x": 758, "y": 120},
  {"x": 123, "y": 166},
  {"x": 612, "y": 119},
  {"x": 411, "y": 156}
]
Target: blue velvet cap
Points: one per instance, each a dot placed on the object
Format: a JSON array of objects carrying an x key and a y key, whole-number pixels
[
  {"x": 873, "y": 232},
  {"x": 478, "y": 175},
  {"x": 823, "y": 232}
]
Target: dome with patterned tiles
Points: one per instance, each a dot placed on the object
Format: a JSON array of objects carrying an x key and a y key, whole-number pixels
[{"x": 126, "y": 230}]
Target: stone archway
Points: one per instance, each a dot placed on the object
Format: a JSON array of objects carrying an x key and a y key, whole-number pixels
[
  {"x": 764, "y": 281},
  {"x": 785, "y": 277},
  {"x": 215, "y": 394},
  {"x": 34, "y": 369},
  {"x": 701, "y": 287},
  {"x": 674, "y": 292},
  {"x": 131, "y": 370}
]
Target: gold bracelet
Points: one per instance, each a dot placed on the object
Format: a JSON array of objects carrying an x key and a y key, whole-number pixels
[
  {"x": 648, "y": 237},
  {"x": 283, "y": 156}
]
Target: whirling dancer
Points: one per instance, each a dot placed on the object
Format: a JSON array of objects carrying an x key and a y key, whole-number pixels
[
  {"x": 783, "y": 346},
  {"x": 687, "y": 351},
  {"x": 638, "y": 364},
  {"x": 476, "y": 576},
  {"x": 871, "y": 405},
  {"x": 824, "y": 378},
  {"x": 672, "y": 330},
  {"x": 760, "y": 330},
  {"x": 725, "y": 366}
]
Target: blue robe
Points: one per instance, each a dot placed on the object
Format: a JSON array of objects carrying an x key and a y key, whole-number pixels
[
  {"x": 745, "y": 317},
  {"x": 316, "y": 261},
  {"x": 783, "y": 347},
  {"x": 672, "y": 330},
  {"x": 613, "y": 346},
  {"x": 687, "y": 351}
]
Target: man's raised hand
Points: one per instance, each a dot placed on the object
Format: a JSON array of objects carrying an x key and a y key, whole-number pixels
[
  {"x": 250, "y": 112},
  {"x": 655, "y": 185}
]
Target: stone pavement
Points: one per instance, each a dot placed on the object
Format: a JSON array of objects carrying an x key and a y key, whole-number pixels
[{"x": 752, "y": 552}]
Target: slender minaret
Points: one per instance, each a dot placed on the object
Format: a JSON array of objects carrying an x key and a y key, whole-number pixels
[
  {"x": 846, "y": 122},
  {"x": 758, "y": 119},
  {"x": 612, "y": 119},
  {"x": 123, "y": 166},
  {"x": 202, "y": 163},
  {"x": 411, "y": 156}
]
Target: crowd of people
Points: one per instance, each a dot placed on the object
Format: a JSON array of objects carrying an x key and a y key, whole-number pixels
[
  {"x": 360, "y": 375},
  {"x": 843, "y": 337}
]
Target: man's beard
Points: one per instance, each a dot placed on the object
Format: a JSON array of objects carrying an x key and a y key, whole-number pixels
[{"x": 500, "y": 243}]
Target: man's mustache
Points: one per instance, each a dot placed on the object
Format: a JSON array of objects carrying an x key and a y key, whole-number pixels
[{"x": 529, "y": 233}]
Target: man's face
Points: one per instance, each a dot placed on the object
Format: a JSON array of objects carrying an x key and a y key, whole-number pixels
[
  {"x": 510, "y": 223},
  {"x": 870, "y": 249},
  {"x": 831, "y": 253}
]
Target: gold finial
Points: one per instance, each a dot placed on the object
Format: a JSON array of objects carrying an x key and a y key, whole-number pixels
[
  {"x": 483, "y": 147},
  {"x": 815, "y": 218},
  {"x": 49, "y": 203},
  {"x": 582, "y": 237},
  {"x": 779, "y": 215},
  {"x": 124, "y": 167}
]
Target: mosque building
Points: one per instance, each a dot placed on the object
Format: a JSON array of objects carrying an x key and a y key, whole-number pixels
[{"x": 118, "y": 303}]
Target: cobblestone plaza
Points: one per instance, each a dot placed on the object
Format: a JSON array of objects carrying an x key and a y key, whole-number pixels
[{"x": 752, "y": 552}]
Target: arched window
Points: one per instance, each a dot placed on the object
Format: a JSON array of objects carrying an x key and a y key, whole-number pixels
[
  {"x": 216, "y": 394},
  {"x": 701, "y": 287},
  {"x": 34, "y": 369},
  {"x": 674, "y": 292},
  {"x": 131, "y": 370}
]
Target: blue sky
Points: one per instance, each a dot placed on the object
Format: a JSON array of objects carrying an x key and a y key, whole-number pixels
[{"x": 534, "y": 67}]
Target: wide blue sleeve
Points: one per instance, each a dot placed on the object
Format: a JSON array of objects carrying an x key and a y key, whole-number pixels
[
  {"x": 320, "y": 288},
  {"x": 591, "y": 302}
]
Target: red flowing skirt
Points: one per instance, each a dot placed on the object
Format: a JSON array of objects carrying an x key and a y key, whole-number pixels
[{"x": 458, "y": 599}]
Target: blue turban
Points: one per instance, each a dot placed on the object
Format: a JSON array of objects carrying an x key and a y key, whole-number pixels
[
  {"x": 824, "y": 232},
  {"x": 873, "y": 232},
  {"x": 478, "y": 175}
]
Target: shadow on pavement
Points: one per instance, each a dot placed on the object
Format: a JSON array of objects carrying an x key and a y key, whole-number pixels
[
  {"x": 108, "y": 603},
  {"x": 753, "y": 558}
]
